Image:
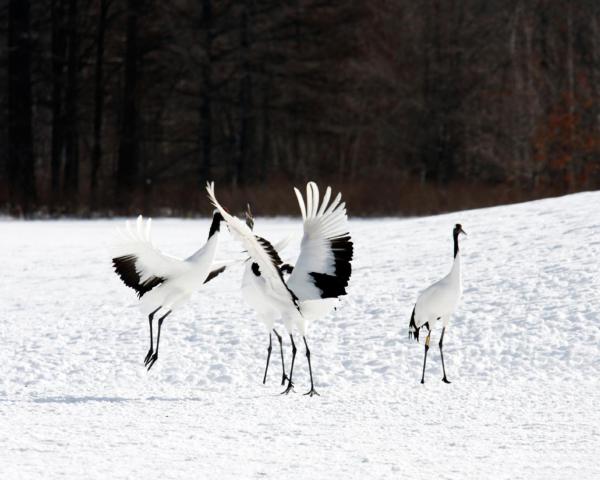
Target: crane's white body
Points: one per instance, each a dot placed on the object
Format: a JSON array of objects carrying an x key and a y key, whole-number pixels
[
  {"x": 255, "y": 292},
  {"x": 178, "y": 288},
  {"x": 438, "y": 301}
]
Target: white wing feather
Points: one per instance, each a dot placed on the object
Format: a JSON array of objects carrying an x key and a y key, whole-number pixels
[
  {"x": 282, "y": 244},
  {"x": 150, "y": 261},
  {"x": 322, "y": 224}
]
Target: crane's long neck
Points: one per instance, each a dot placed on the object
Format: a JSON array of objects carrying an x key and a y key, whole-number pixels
[
  {"x": 455, "y": 235},
  {"x": 455, "y": 271},
  {"x": 215, "y": 226},
  {"x": 209, "y": 250},
  {"x": 213, "y": 235},
  {"x": 212, "y": 242}
]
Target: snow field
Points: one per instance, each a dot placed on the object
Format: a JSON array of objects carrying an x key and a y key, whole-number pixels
[{"x": 522, "y": 353}]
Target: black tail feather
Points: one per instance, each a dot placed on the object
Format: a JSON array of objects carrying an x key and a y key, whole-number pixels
[{"x": 413, "y": 330}]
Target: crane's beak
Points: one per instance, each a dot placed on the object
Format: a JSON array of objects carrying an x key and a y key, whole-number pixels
[{"x": 462, "y": 231}]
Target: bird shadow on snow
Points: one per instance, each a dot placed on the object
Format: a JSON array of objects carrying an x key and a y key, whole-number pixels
[
  {"x": 92, "y": 399},
  {"x": 84, "y": 399}
]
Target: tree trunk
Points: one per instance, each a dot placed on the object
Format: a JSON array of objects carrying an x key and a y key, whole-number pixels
[
  {"x": 243, "y": 170},
  {"x": 128, "y": 161},
  {"x": 71, "y": 177},
  {"x": 205, "y": 104},
  {"x": 570, "y": 170},
  {"x": 98, "y": 104},
  {"x": 266, "y": 132},
  {"x": 59, "y": 47},
  {"x": 21, "y": 173}
]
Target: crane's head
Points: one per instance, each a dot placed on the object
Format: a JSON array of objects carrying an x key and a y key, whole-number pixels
[
  {"x": 458, "y": 230},
  {"x": 217, "y": 217},
  {"x": 249, "y": 217}
]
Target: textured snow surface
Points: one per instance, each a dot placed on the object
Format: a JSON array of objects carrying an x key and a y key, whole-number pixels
[{"x": 522, "y": 353}]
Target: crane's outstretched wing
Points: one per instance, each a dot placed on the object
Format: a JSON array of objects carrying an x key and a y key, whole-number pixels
[
  {"x": 259, "y": 250},
  {"x": 139, "y": 263},
  {"x": 323, "y": 267}
]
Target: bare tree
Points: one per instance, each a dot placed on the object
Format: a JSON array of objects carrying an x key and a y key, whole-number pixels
[{"x": 21, "y": 174}]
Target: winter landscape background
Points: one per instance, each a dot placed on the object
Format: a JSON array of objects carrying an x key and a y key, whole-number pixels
[
  {"x": 460, "y": 109},
  {"x": 521, "y": 352},
  {"x": 128, "y": 106}
]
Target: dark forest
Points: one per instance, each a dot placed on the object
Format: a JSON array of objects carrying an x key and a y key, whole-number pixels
[{"x": 409, "y": 107}]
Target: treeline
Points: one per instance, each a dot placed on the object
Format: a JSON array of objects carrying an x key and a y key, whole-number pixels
[{"x": 117, "y": 106}]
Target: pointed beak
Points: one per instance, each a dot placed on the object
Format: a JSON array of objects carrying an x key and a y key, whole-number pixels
[{"x": 463, "y": 232}]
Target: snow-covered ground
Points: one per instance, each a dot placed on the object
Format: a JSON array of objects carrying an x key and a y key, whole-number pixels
[{"x": 522, "y": 352}]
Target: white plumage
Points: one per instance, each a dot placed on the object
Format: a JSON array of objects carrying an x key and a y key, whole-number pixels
[
  {"x": 321, "y": 273},
  {"x": 254, "y": 292},
  {"x": 162, "y": 281},
  {"x": 437, "y": 302}
]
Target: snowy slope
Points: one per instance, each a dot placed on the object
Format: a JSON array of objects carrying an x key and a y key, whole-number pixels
[{"x": 522, "y": 352}]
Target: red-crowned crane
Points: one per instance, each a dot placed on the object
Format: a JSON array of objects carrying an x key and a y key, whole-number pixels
[
  {"x": 436, "y": 303},
  {"x": 321, "y": 273}
]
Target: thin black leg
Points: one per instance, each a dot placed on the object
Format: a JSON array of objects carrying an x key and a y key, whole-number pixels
[
  {"x": 268, "y": 358},
  {"x": 425, "y": 358},
  {"x": 151, "y": 351},
  {"x": 155, "y": 355},
  {"x": 445, "y": 380},
  {"x": 284, "y": 377},
  {"x": 290, "y": 387},
  {"x": 312, "y": 390}
]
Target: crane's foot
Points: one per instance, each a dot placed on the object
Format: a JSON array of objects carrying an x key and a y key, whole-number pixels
[
  {"x": 312, "y": 392},
  {"x": 445, "y": 380},
  {"x": 422, "y": 381},
  {"x": 290, "y": 388},
  {"x": 152, "y": 360},
  {"x": 284, "y": 378},
  {"x": 148, "y": 357}
]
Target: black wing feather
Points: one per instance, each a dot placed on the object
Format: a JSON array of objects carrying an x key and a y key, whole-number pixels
[
  {"x": 286, "y": 268},
  {"x": 125, "y": 268},
  {"x": 270, "y": 249},
  {"x": 333, "y": 286},
  {"x": 214, "y": 273}
]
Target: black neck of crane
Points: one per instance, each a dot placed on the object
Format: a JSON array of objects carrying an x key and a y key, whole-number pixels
[
  {"x": 455, "y": 235},
  {"x": 216, "y": 224}
]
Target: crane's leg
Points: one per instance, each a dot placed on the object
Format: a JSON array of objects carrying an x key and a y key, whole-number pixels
[
  {"x": 290, "y": 387},
  {"x": 445, "y": 380},
  {"x": 155, "y": 354},
  {"x": 151, "y": 351},
  {"x": 312, "y": 390},
  {"x": 425, "y": 358},
  {"x": 284, "y": 377},
  {"x": 268, "y": 358}
]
